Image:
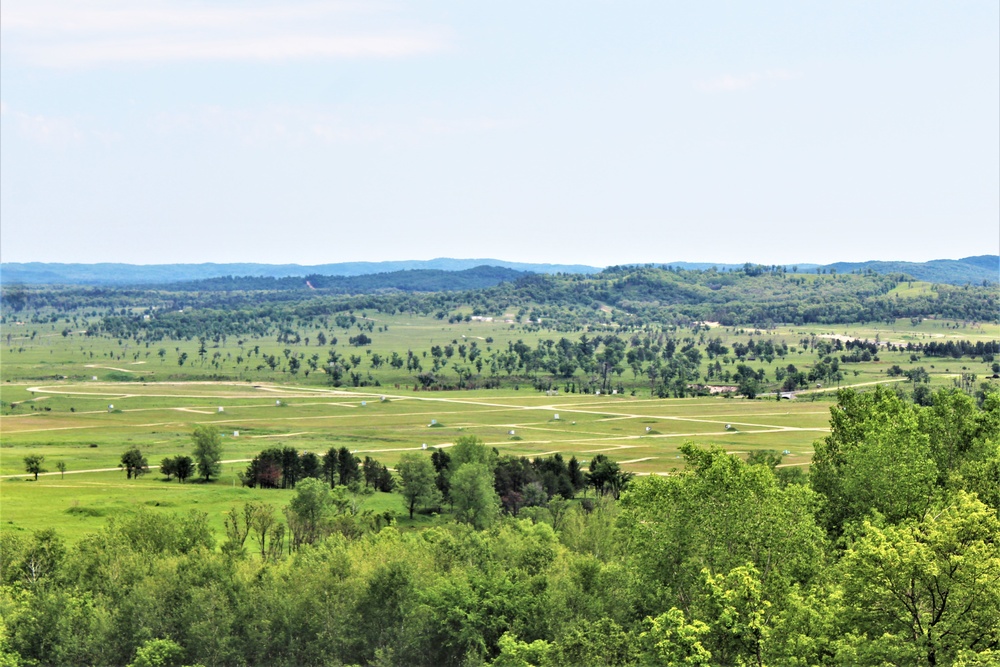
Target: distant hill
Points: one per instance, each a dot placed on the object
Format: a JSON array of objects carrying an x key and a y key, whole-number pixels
[
  {"x": 705, "y": 266},
  {"x": 973, "y": 270},
  {"x": 413, "y": 280},
  {"x": 41, "y": 273},
  {"x": 950, "y": 271}
]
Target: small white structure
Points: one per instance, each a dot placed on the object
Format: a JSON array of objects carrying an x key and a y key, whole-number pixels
[
  {"x": 511, "y": 432},
  {"x": 383, "y": 399},
  {"x": 364, "y": 403},
  {"x": 111, "y": 407},
  {"x": 277, "y": 402},
  {"x": 597, "y": 392},
  {"x": 614, "y": 391},
  {"x": 556, "y": 417},
  {"x": 236, "y": 434},
  {"x": 648, "y": 429},
  {"x": 423, "y": 446},
  {"x": 220, "y": 409},
  {"x": 729, "y": 427},
  {"x": 785, "y": 452},
  {"x": 93, "y": 377},
  {"x": 434, "y": 422}
]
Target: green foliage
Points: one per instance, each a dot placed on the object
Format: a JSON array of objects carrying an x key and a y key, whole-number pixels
[
  {"x": 721, "y": 515},
  {"x": 158, "y": 653},
  {"x": 33, "y": 464},
  {"x": 472, "y": 495},
  {"x": 309, "y": 512},
  {"x": 207, "y": 451},
  {"x": 181, "y": 467},
  {"x": 470, "y": 449},
  {"x": 876, "y": 458},
  {"x": 516, "y": 653},
  {"x": 887, "y": 457},
  {"x": 740, "y": 614},
  {"x": 417, "y": 478},
  {"x": 927, "y": 589},
  {"x": 133, "y": 463},
  {"x": 671, "y": 640},
  {"x": 607, "y": 477}
]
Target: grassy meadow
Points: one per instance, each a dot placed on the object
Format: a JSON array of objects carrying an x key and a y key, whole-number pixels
[{"x": 83, "y": 400}]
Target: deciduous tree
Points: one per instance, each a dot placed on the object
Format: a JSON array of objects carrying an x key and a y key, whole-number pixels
[
  {"x": 207, "y": 451},
  {"x": 33, "y": 464},
  {"x": 134, "y": 463},
  {"x": 416, "y": 472}
]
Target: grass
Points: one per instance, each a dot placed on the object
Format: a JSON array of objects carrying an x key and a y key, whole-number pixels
[
  {"x": 52, "y": 406},
  {"x": 80, "y": 504}
]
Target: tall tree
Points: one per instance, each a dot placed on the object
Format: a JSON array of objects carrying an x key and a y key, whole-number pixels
[
  {"x": 347, "y": 466},
  {"x": 308, "y": 512},
  {"x": 470, "y": 449},
  {"x": 416, "y": 473},
  {"x": 207, "y": 451},
  {"x": 473, "y": 496}
]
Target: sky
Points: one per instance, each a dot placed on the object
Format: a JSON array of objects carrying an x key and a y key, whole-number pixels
[{"x": 564, "y": 132}]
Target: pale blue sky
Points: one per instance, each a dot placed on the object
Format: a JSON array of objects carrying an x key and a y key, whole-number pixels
[{"x": 590, "y": 132}]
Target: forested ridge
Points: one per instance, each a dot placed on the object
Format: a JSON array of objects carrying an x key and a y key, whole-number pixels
[
  {"x": 967, "y": 270},
  {"x": 619, "y": 296},
  {"x": 409, "y": 280},
  {"x": 887, "y": 552}
]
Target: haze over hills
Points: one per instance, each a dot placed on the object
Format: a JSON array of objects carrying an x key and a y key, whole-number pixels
[
  {"x": 954, "y": 271},
  {"x": 408, "y": 280},
  {"x": 138, "y": 274},
  {"x": 976, "y": 269}
]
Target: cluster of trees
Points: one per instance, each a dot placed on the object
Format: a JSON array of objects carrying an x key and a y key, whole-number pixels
[
  {"x": 959, "y": 348},
  {"x": 284, "y": 467},
  {"x": 206, "y": 461},
  {"x": 133, "y": 463},
  {"x": 480, "y": 485},
  {"x": 181, "y": 467},
  {"x": 887, "y": 552}
]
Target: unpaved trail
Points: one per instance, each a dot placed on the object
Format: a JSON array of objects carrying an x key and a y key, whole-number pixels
[{"x": 111, "y": 368}]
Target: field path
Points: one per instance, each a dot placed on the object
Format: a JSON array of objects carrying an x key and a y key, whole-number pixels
[{"x": 110, "y": 368}]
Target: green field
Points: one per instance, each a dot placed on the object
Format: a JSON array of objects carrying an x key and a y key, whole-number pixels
[
  {"x": 158, "y": 418},
  {"x": 83, "y": 400}
]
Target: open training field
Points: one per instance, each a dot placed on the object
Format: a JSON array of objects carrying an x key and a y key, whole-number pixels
[
  {"x": 83, "y": 400},
  {"x": 89, "y": 425},
  {"x": 37, "y": 352}
]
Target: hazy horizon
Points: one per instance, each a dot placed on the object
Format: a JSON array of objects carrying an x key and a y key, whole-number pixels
[{"x": 569, "y": 262}]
